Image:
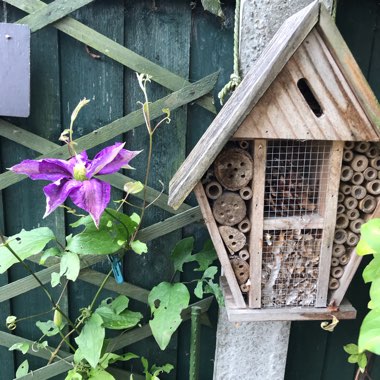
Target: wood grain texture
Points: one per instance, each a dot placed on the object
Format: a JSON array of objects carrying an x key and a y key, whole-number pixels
[
  {"x": 293, "y": 222},
  {"x": 257, "y": 216},
  {"x": 284, "y": 113},
  {"x": 219, "y": 246},
  {"x": 331, "y": 202},
  {"x": 280, "y": 49},
  {"x": 234, "y": 314},
  {"x": 349, "y": 67}
]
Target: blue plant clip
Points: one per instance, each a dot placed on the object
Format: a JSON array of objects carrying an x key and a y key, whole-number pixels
[{"x": 117, "y": 268}]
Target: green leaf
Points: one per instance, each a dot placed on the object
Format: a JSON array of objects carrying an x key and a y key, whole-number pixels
[
  {"x": 50, "y": 252},
  {"x": 374, "y": 293},
  {"x": 114, "y": 227},
  {"x": 99, "y": 374},
  {"x": 133, "y": 187},
  {"x": 49, "y": 328},
  {"x": 181, "y": 253},
  {"x": 23, "y": 369},
  {"x": 214, "y": 7},
  {"x": 369, "y": 337},
  {"x": 139, "y": 247},
  {"x": 362, "y": 361},
  {"x": 372, "y": 270},
  {"x": 198, "y": 291},
  {"x": 110, "y": 358},
  {"x": 214, "y": 289},
  {"x": 363, "y": 248},
  {"x": 210, "y": 272},
  {"x": 25, "y": 244},
  {"x": 73, "y": 375},
  {"x": 370, "y": 236},
  {"x": 70, "y": 266},
  {"x": 353, "y": 359},
  {"x": 166, "y": 302},
  {"x": 55, "y": 279},
  {"x": 206, "y": 256},
  {"x": 22, "y": 346},
  {"x": 167, "y": 368},
  {"x": 119, "y": 304},
  {"x": 351, "y": 348},
  {"x": 90, "y": 340}
]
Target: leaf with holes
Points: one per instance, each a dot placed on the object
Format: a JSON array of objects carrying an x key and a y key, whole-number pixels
[
  {"x": 49, "y": 328},
  {"x": 24, "y": 244},
  {"x": 166, "y": 303},
  {"x": 23, "y": 369},
  {"x": 22, "y": 346}
]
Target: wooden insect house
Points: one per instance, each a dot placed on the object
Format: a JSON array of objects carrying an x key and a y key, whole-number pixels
[{"x": 287, "y": 173}]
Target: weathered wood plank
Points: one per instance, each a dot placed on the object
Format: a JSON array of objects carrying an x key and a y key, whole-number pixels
[
  {"x": 115, "y": 51},
  {"x": 51, "y": 13},
  {"x": 257, "y": 220},
  {"x": 329, "y": 222},
  {"x": 127, "y": 123},
  {"x": 219, "y": 246},
  {"x": 293, "y": 222},
  {"x": 349, "y": 67},
  {"x": 280, "y": 49}
]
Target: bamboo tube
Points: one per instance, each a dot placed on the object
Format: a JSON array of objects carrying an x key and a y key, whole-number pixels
[
  {"x": 353, "y": 214},
  {"x": 244, "y": 144},
  {"x": 340, "y": 209},
  {"x": 244, "y": 287},
  {"x": 346, "y": 173},
  {"x": 338, "y": 250},
  {"x": 344, "y": 259},
  {"x": 244, "y": 254},
  {"x": 349, "y": 145},
  {"x": 375, "y": 163},
  {"x": 350, "y": 203},
  {"x": 352, "y": 239},
  {"x": 337, "y": 272},
  {"x": 340, "y": 236},
  {"x": 246, "y": 193},
  {"x": 244, "y": 226},
  {"x": 348, "y": 155},
  {"x": 340, "y": 197},
  {"x": 358, "y": 192},
  {"x": 370, "y": 174},
  {"x": 362, "y": 146},
  {"x": 214, "y": 190},
  {"x": 334, "y": 262},
  {"x": 359, "y": 163},
  {"x": 342, "y": 221},
  {"x": 345, "y": 189},
  {"x": 357, "y": 178},
  {"x": 373, "y": 187},
  {"x": 367, "y": 204},
  {"x": 334, "y": 284},
  {"x": 355, "y": 225},
  {"x": 372, "y": 152}
]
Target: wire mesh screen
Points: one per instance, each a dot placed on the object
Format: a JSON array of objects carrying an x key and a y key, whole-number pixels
[
  {"x": 290, "y": 267},
  {"x": 296, "y": 177}
]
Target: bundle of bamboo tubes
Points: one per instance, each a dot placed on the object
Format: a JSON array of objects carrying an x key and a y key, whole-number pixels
[{"x": 359, "y": 192}]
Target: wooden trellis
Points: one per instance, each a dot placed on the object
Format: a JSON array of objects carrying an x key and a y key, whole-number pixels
[{"x": 56, "y": 14}]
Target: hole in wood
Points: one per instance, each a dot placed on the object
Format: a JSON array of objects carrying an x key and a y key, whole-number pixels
[{"x": 309, "y": 97}]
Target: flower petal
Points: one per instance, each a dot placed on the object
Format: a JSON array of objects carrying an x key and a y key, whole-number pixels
[
  {"x": 50, "y": 169},
  {"x": 57, "y": 192},
  {"x": 103, "y": 158},
  {"x": 93, "y": 196},
  {"x": 120, "y": 161}
]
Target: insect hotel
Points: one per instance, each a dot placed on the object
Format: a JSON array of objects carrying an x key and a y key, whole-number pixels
[{"x": 287, "y": 173}]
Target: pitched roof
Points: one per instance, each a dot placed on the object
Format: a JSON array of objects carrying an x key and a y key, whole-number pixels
[{"x": 280, "y": 49}]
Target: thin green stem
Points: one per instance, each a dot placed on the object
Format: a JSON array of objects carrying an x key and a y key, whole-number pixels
[
  {"x": 100, "y": 289},
  {"x": 66, "y": 341}
]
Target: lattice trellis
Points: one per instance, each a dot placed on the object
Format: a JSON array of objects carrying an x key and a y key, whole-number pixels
[{"x": 56, "y": 14}]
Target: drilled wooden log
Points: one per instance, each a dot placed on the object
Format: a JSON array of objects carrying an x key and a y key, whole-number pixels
[
  {"x": 345, "y": 189},
  {"x": 229, "y": 209},
  {"x": 358, "y": 192},
  {"x": 241, "y": 269},
  {"x": 357, "y": 178},
  {"x": 233, "y": 168},
  {"x": 352, "y": 239},
  {"x": 350, "y": 203},
  {"x": 344, "y": 259},
  {"x": 246, "y": 193},
  {"x": 340, "y": 236},
  {"x": 372, "y": 152},
  {"x": 373, "y": 187},
  {"x": 362, "y": 146},
  {"x": 338, "y": 250},
  {"x": 355, "y": 225},
  {"x": 353, "y": 214},
  {"x": 334, "y": 284},
  {"x": 342, "y": 221},
  {"x": 370, "y": 174},
  {"x": 348, "y": 155},
  {"x": 346, "y": 173},
  {"x": 359, "y": 163},
  {"x": 334, "y": 262},
  {"x": 233, "y": 238},
  {"x": 337, "y": 272},
  {"x": 375, "y": 163},
  {"x": 244, "y": 226},
  {"x": 340, "y": 209},
  {"x": 214, "y": 190},
  {"x": 244, "y": 144},
  {"x": 244, "y": 254},
  {"x": 367, "y": 204},
  {"x": 349, "y": 145}
]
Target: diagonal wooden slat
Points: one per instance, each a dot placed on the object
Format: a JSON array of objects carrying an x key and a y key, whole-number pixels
[
  {"x": 120, "y": 126},
  {"x": 114, "y": 50},
  {"x": 51, "y": 13}
]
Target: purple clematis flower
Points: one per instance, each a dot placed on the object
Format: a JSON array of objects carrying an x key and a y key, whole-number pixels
[{"x": 74, "y": 178}]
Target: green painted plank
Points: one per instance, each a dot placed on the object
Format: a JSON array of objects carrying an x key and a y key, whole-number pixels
[
  {"x": 122, "y": 125},
  {"x": 115, "y": 51},
  {"x": 51, "y": 13}
]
